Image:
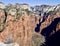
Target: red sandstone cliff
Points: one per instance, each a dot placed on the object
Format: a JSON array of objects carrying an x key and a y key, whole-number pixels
[{"x": 21, "y": 28}]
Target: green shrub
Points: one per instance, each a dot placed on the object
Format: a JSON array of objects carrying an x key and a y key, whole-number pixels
[{"x": 38, "y": 39}]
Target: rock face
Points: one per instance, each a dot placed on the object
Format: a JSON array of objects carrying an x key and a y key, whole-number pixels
[
  {"x": 2, "y": 19},
  {"x": 25, "y": 27},
  {"x": 21, "y": 30}
]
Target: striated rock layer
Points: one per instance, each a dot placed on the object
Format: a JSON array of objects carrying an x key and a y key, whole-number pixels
[
  {"x": 24, "y": 27},
  {"x": 21, "y": 31}
]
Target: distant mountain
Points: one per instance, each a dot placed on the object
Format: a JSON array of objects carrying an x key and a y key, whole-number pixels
[
  {"x": 38, "y": 9},
  {"x": 45, "y": 8}
]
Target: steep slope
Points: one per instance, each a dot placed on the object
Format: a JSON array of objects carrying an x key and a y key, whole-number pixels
[{"x": 21, "y": 25}]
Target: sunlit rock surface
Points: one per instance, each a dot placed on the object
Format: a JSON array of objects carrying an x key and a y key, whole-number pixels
[
  {"x": 20, "y": 30},
  {"x": 21, "y": 26}
]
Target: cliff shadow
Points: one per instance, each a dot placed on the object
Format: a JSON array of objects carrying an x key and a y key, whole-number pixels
[
  {"x": 5, "y": 16},
  {"x": 37, "y": 28},
  {"x": 54, "y": 40},
  {"x": 47, "y": 31}
]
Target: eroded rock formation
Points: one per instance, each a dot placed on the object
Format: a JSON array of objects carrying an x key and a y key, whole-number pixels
[
  {"x": 24, "y": 27},
  {"x": 21, "y": 30}
]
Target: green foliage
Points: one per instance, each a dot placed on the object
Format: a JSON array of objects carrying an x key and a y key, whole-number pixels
[
  {"x": 19, "y": 13},
  {"x": 52, "y": 13},
  {"x": 58, "y": 10},
  {"x": 2, "y": 28},
  {"x": 38, "y": 40},
  {"x": 27, "y": 11},
  {"x": 14, "y": 20}
]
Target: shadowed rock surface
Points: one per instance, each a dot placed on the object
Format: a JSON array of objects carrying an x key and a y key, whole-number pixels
[
  {"x": 52, "y": 27},
  {"x": 54, "y": 40}
]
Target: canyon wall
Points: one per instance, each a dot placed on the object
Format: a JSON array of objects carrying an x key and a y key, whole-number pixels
[{"x": 26, "y": 28}]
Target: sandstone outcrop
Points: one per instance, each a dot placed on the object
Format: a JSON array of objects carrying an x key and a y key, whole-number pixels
[
  {"x": 21, "y": 30},
  {"x": 21, "y": 25}
]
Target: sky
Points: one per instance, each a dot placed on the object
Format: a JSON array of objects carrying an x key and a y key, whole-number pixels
[{"x": 32, "y": 2}]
